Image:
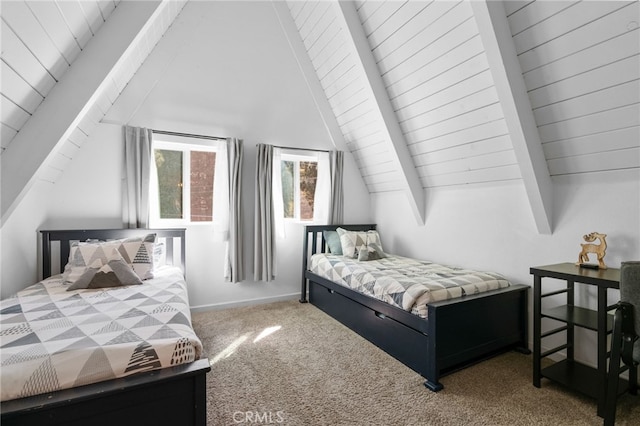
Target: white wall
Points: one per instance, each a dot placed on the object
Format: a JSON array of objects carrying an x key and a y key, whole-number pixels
[
  {"x": 232, "y": 75},
  {"x": 492, "y": 228}
]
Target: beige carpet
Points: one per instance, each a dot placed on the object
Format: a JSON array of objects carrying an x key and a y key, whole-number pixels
[{"x": 288, "y": 363}]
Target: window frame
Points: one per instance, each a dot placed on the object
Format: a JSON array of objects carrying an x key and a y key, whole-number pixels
[{"x": 186, "y": 147}]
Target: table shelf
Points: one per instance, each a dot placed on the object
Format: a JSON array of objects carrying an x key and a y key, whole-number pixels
[
  {"x": 576, "y": 315},
  {"x": 577, "y": 377}
]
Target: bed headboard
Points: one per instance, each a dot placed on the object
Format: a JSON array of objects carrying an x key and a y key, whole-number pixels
[
  {"x": 314, "y": 242},
  {"x": 56, "y": 243}
]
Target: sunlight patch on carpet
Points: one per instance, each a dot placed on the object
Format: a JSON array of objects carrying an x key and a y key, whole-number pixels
[
  {"x": 229, "y": 350},
  {"x": 267, "y": 331}
]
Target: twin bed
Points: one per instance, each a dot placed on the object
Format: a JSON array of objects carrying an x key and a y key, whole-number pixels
[
  {"x": 103, "y": 356},
  {"x": 136, "y": 360},
  {"x": 434, "y": 319}
]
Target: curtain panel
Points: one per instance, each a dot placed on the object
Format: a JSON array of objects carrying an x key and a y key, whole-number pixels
[
  {"x": 336, "y": 211},
  {"x": 234, "y": 263},
  {"x": 264, "y": 250},
  {"x": 137, "y": 164}
]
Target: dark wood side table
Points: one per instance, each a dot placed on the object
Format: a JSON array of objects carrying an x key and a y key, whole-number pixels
[{"x": 570, "y": 373}]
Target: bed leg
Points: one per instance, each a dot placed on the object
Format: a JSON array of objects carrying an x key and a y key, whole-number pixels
[
  {"x": 523, "y": 350},
  {"x": 433, "y": 386}
]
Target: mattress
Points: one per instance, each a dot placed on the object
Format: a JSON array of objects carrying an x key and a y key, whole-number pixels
[
  {"x": 53, "y": 339},
  {"x": 406, "y": 283}
]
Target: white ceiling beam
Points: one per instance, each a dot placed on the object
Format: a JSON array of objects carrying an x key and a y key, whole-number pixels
[
  {"x": 372, "y": 80},
  {"x": 71, "y": 98},
  {"x": 512, "y": 93},
  {"x": 309, "y": 74},
  {"x": 153, "y": 68}
]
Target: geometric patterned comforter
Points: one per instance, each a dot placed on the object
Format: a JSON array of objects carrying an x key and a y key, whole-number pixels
[
  {"x": 54, "y": 339},
  {"x": 403, "y": 282}
]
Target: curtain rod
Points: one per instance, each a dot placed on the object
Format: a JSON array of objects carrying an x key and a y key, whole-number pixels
[
  {"x": 189, "y": 135},
  {"x": 298, "y": 149}
]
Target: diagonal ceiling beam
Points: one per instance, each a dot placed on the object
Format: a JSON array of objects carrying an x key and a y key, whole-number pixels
[
  {"x": 370, "y": 76},
  {"x": 309, "y": 74},
  {"x": 512, "y": 93},
  {"x": 153, "y": 69},
  {"x": 72, "y": 97}
]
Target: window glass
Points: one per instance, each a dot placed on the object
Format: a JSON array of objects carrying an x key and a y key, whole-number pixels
[
  {"x": 203, "y": 166},
  {"x": 288, "y": 191},
  {"x": 308, "y": 178},
  {"x": 170, "y": 185},
  {"x": 299, "y": 176},
  {"x": 183, "y": 185}
]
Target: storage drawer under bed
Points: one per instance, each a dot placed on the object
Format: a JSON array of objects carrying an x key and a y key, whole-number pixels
[{"x": 403, "y": 343}]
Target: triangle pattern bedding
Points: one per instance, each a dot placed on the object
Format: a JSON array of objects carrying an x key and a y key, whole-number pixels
[
  {"x": 403, "y": 282},
  {"x": 52, "y": 339}
]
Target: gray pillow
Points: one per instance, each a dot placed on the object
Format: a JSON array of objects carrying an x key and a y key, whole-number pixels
[
  {"x": 333, "y": 241},
  {"x": 115, "y": 273},
  {"x": 370, "y": 252}
]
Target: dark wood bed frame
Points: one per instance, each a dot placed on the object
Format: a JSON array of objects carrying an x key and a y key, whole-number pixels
[
  {"x": 175, "y": 395},
  {"x": 457, "y": 333}
]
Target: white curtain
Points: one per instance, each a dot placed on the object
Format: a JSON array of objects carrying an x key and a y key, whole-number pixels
[
  {"x": 322, "y": 197},
  {"x": 221, "y": 193},
  {"x": 137, "y": 163},
  {"x": 278, "y": 201},
  {"x": 234, "y": 262}
]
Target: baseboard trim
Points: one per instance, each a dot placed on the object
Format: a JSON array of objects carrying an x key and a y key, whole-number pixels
[{"x": 242, "y": 303}]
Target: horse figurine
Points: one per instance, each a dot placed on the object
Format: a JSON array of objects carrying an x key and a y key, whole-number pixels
[{"x": 598, "y": 249}]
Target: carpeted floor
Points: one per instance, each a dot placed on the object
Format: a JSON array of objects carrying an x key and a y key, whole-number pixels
[{"x": 290, "y": 364}]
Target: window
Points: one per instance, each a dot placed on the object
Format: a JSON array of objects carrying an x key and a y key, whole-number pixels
[
  {"x": 299, "y": 177},
  {"x": 182, "y": 187}
]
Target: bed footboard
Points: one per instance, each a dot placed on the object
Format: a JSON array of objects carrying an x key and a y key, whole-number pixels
[
  {"x": 169, "y": 396},
  {"x": 470, "y": 329}
]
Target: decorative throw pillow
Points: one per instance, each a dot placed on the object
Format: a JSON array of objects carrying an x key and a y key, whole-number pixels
[
  {"x": 114, "y": 273},
  {"x": 352, "y": 241},
  {"x": 84, "y": 254},
  {"x": 137, "y": 252},
  {"x": 333, "y": 241},
  {"x": 372, "y": 251}
]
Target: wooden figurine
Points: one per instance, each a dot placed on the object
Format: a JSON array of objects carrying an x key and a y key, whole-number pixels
[{"x": 598, "y": 249}]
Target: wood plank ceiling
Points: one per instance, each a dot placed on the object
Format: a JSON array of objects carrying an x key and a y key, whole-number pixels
[
  {"x": 579, "y": 61},
  {"x": 40, "y": 41}
]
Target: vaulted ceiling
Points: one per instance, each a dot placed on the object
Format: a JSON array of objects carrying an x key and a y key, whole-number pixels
[{"x": 423, "y": 94}]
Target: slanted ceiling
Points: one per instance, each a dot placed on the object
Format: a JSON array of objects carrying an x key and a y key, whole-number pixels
[
  {"x": 40, "y": 41},
  {"x": 579, "y": 62},
  {"x": 64, "y": 63},
  {"x": 413, "y": 89}
]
